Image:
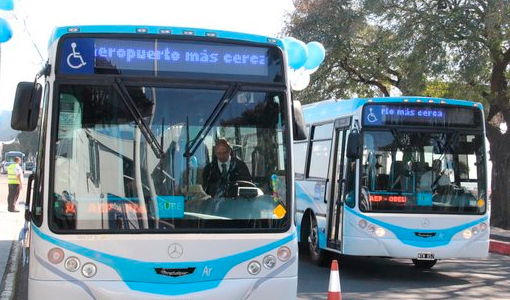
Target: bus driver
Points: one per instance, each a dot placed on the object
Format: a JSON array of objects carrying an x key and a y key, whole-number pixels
[
  {"x": 435, "y": 180},
  {"x": 224, "y": 170}
]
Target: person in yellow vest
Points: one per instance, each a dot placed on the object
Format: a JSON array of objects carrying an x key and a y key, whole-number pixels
[{"x": 15, "y": 184}]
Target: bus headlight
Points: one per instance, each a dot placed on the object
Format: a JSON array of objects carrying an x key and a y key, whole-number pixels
[
  {"x": 284, "y": 253},
  {"x": 89, "y": 270},
  {"x": 56, "y": 255},
  {"x": 380, "y": 232},
  {"x": 269, "y": 261},
  {"x": 362, "y": 224},
  {"x": 467, "y": 234},
  {"x": 474, "y": 230},
  {"x": 72, "y": 264},
  {"x": 254, "y": 267},
  {"x": 483, "y": 226}
]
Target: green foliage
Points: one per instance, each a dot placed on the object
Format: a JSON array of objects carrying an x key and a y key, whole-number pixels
[
  {"x": 28, "y": 144},
  {"x": 453, "y": 90},
  {"x": 29, "y": 141},
  {"x": 375, "y": 47}
]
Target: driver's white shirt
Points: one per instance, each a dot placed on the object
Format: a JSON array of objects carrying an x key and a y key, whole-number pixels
[
  {"x": 227, "y": 163},
  {"x": 428, "y": 178}
]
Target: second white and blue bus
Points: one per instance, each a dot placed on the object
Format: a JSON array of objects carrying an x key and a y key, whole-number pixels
[{"x": 360, "y": 187}]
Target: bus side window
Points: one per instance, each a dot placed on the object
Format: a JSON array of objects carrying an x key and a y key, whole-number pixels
[{"x": 350, "y": 182}]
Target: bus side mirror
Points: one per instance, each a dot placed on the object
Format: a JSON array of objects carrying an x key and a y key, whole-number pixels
[
  {"x": 25, "y": 110},
  {"x": 299, "y": 122},
  {"x": 354, "y": 145}
]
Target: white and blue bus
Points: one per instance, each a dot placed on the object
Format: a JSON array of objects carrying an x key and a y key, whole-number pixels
[
  {"x": 130, "y": 116},
  {"x": 399, "y": 177}
]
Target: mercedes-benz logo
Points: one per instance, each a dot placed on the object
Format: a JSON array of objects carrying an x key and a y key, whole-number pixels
[
  {"x": 175, "y": 250},
  {"x": 425, "y": 223}
]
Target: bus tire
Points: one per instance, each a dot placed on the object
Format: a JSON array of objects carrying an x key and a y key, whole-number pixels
[
  {"x": 318, "y": 256},
  {"x": 424, "y": 264}
]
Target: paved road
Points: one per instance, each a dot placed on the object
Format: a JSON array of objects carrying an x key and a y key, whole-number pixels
[{"x": 363, "y": 278}]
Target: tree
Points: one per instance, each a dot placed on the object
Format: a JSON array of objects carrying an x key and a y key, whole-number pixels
[
  {"x": 363, "y": 56},
  {"x": 447, "y": 48},
  {"x": 29, "y": 141},
  {"x": 28, "y": 144}
]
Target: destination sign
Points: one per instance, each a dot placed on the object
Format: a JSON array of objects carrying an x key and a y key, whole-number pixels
[
  {"x": 408, "y": 114},
  {"x": 161, "y": 57}
]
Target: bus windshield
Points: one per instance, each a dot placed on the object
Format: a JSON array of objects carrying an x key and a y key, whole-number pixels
[
  {"x": 133, "y": 158},
  {"x": 423, "y": 171}
]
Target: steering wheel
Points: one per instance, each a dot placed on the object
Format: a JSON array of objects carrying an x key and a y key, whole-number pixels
[{"x": 244, "y": 183}]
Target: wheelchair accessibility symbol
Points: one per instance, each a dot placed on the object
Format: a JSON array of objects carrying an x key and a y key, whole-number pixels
[
  {"x": 74, "y": 59},
  {"x": 371, "y": 117}
]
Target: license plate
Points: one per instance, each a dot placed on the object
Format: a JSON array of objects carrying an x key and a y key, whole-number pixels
[{"x": 426, "y": 256}]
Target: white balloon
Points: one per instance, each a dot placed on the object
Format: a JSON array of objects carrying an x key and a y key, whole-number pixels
[{"x": 301, "y": 81}]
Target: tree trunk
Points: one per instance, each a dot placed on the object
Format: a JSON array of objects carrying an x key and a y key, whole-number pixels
[{"x": 500, "y": 157}]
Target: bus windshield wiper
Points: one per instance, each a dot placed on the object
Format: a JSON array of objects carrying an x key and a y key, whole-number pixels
[
  {"x": 220, "y": 107},
  {"x": 138, "y": 118},
  {"x": 398, "y": 138},
  {"x": 449, "y": 143}
]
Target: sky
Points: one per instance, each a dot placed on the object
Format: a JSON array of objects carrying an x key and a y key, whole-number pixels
[{"x": 32, "y": 22}]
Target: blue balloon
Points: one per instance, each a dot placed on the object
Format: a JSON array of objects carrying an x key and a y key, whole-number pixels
[
  {"x": 297, "y": 53},
  {"x": 287, "y": 40},
  {"x": 5, "y": 31},
  {"x": 6, "y": 4},
  {"x": 316, "y": 55}
]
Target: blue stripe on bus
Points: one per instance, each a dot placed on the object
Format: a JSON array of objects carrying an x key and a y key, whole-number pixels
[
  {"x": 407, "y": 235},
  {"x": 141, "y": 275},
  {"x": 305, "y": 201}
]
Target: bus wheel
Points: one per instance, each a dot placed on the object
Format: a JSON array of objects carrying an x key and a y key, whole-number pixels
[
  {"x": 317, "y": 255},
  {"x": 424, "y": 264}
]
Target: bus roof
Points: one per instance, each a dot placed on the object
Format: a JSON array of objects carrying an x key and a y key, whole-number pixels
[
  {"x": 58, "y": 32},
  {"x": 15, "y": 153},
  {"x": 332, "y": 108}
]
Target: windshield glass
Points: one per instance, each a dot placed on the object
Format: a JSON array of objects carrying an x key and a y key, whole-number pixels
[
  {"x": 426, "y": 172},
  {"x": 169, "y": 159}
]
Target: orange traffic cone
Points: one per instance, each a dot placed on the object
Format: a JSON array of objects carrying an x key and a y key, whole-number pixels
[{"x": 334, "y": 290}]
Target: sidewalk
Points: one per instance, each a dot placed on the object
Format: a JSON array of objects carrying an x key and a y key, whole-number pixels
[
  {"x": 499, "y": 241},
  {"x": 11, "y": 225}
]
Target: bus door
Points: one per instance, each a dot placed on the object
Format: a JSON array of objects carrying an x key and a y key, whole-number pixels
[{"x": 338, "y": 179}]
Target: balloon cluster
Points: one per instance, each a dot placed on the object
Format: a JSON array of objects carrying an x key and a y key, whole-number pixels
[
  {"x": 303, "y": 59},
  {"x": 5, "y": 28}
]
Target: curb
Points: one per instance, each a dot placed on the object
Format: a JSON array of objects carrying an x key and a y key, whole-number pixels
[
  {"x": 10, "y": 276},
  {"x": 499, "y": 247}
]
